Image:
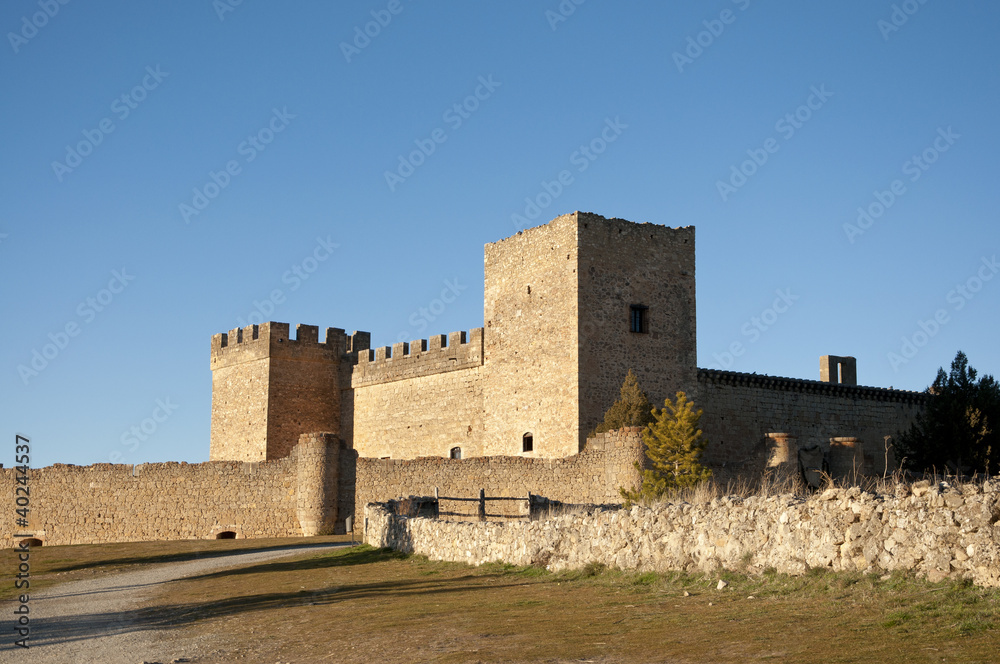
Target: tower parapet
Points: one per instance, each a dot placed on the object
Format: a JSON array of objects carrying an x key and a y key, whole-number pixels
[{"x": 268, "y": 388}]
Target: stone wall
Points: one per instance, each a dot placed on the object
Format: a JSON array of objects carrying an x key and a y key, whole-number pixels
[
  {"x": 623, "y": 264},
  {"x": 268, "y": 388},
  {"x": 440, "y": 354},
  {"x": 531, "y": 341},
  {"x": 417, "y": 399},
  {"x": 421, "y": 416},
  {"x": 157, "y": 501},
  {"x": 592, "y": 476},
  {"x": 740, "y": 409},
  {"x": 239, "y": 362},
  {"x": 934, "y": 532}
]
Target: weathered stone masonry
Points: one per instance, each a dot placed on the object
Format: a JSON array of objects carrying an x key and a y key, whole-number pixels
[
  {"x": 593, "y": 476},
  {"x": 741, "y": 408},
  {"x": 310, "y": 492},
  {"x": 935, "y": 532},
  {"x": 158, "y": 501},
  {"x": 306, "y": 430}
]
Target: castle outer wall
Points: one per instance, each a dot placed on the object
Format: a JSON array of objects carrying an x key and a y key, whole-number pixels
[
  {"x": 740, "y": 409},
  {"x": 593, "y": 476},
  {"x": 157, "y": 501},
  {"x": 310, "y": 492}
]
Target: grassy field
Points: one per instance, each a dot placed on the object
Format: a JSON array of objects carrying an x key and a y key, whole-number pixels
[{"x": 364, "y": 605}]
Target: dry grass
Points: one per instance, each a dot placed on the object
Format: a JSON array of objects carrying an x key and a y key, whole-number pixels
[
  {"x": 365, "y": 605},
  {"x": 770, "y": 485}
]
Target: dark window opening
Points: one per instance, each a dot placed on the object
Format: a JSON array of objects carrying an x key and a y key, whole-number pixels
[
  {"x": 456, "y": 453},
  {"x": 639, "y": 318},
  {"x": 527, "y": 443},
  {"x": 30, "y": 542},
  {"x": 226, "y": 534}
]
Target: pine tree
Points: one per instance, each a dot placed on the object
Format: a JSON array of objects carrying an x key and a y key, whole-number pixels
[
  {"x": 959, "y": 431},
  {"x": 631, "y": 410},
  {"x": 674, "y": 445}
]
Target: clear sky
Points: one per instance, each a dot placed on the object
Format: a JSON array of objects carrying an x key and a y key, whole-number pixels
[{"x": 171, "y": 169}]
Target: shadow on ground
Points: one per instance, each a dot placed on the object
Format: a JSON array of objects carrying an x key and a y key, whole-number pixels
[{"x": 174, "y": 616}]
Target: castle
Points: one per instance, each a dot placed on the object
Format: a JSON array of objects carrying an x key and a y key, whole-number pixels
[
  {"x": 306, "y": 431},
  {"x": 569, "y": 308}
]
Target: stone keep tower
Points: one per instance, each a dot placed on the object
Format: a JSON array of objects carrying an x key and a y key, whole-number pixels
[
  {"x": 268, "y": 388},
  {"x": 570, "y": 307}
]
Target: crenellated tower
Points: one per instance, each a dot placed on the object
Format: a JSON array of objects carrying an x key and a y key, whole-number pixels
[
  {"x": 268, "y": 388},
  {"x": 570, "y": 307}
]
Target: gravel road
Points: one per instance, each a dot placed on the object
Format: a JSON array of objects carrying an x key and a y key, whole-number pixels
[{"x": 92, "y": 621}]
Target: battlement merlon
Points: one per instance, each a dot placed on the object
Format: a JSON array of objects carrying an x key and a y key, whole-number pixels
[
  {"x": 273, "y": 339},
  {"x": 421, "y": 357}
]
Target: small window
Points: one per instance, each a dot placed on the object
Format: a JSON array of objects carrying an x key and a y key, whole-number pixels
[
  {"x": 639, "y": 319},
  {"x": 456, "y": 453},
  {"x": 527, "y": 443}
]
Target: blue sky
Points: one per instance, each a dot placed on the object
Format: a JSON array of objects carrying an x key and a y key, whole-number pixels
[{"x": 765, "y": 125}]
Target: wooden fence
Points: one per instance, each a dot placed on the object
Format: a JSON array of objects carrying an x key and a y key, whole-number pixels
[{"x": 485, "y": 507}]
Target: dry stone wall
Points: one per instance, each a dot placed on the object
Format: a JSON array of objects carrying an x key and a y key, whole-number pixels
[
  {"x": 935, "y": 532},
  {"x": 157, "y": 501},
  {"x": 740, "y": 409}
]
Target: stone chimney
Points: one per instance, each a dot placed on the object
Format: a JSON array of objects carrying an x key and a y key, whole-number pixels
[{"x": 836, "y": 369}]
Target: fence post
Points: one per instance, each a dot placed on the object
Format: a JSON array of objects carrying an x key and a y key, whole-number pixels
[
  {"x": 437, "y": 504},
  {"x": 482, "y": 504}
]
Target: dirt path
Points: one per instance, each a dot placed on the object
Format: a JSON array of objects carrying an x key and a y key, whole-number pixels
[{"x": 92, "y": 621}]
